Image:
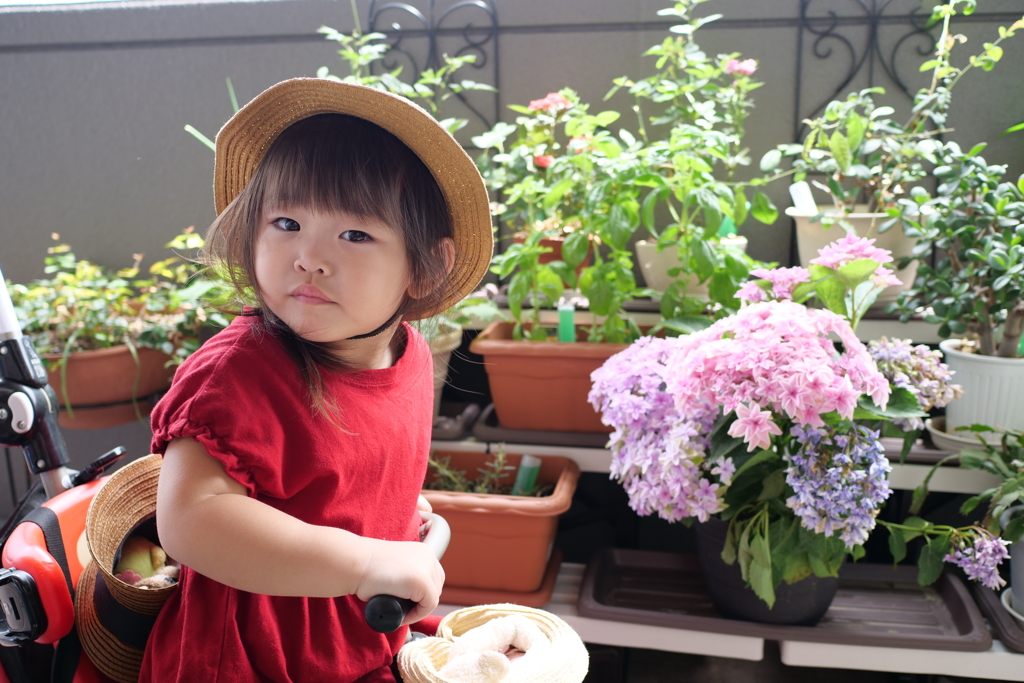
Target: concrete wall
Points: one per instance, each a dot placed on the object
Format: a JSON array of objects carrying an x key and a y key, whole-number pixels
[{"x": 93, "y": 100}]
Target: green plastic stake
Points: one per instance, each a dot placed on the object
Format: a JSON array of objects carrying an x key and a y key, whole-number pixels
[{"x": 566, "y": 323}]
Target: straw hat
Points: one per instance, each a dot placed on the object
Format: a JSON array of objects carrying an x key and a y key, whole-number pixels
[
  {"x": 245, "y": 138},
  {"x": 114, "y": 618},
  {"x": 567, "y": 661}
]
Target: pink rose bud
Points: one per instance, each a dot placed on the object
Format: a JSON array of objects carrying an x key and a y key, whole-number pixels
[
  {"x": 744, "y": 68},
  {"x": 552, "y": 101},
  {"x": 543, "y": 161}
]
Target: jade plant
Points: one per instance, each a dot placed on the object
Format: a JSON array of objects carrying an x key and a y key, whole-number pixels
[{"x": 975, "y": 226}]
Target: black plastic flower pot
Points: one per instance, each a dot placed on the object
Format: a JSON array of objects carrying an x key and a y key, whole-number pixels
[{"x": 803, "y": 603}]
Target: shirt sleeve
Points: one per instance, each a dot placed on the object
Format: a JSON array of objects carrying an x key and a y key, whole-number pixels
[{"x": 220, "y": 398}]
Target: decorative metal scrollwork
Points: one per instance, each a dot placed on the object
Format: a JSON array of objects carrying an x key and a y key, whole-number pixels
[
  {"x": 826, "y": 38},
  {"x": 476, "y": 39}
]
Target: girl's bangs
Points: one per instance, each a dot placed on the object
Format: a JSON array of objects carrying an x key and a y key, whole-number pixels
[{"x": 332, "y": 164}]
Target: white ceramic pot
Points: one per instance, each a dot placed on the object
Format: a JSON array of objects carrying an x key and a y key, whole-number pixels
[
  {"x": 654, "y": 265},
  {"x": 810, "y": 237},
  {"x": 1016, "y": 560},
  {"x": 441, "y": 350},
  {"x": 993, "y": 389}
]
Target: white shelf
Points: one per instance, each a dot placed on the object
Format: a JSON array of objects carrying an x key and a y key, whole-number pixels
[
  {"x": 996, "y": 663},
  {"x": 946, "y": 480},
  {"x": 623, "y": 634}
]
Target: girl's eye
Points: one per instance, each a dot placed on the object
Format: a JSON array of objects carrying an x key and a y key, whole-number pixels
[
  {"x": 287, "y": 224},
  {"x": 355, "y": 236}
]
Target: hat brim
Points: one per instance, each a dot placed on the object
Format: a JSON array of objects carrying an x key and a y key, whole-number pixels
[
  {"x": 245, "y": 138},
  {"x": 108, "y": 653}
]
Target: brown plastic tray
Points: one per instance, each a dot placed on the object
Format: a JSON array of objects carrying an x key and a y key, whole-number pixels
[
  {"x": 487, "y": 429},
  {"x": 877, "y": 605},
  {"x": 458, "y": 595},
  {"x": 1004, "y": 626}
]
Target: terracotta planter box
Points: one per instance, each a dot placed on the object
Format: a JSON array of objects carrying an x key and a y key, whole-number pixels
[
  {"x": 542, "y": 385},
  {"x": 100, "y": 385},
  {"x": 502, "y": 542}
]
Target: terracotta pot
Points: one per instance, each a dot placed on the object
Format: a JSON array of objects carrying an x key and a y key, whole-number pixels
[
  {"x": 502, "y": 542},
  {"x": 100, "y": 384},
  {"x": 542, "y": 385},
  {"x": 811, "y": 237}
]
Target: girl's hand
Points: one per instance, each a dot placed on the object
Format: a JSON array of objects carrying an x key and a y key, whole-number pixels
[{"x": 403, "y": 569}]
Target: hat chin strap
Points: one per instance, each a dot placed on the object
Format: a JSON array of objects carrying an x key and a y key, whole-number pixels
[{"x": 387, "y": 323}]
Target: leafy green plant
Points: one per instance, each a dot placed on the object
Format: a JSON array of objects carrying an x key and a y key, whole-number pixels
[
  {"x": 432, "y": 87},
  {"x": 586, "y": 194},
  {"x": 84, "y": 306},
  {"x": 865, "y": 155},
  {"x": 975, "y": 224},
  {"x": 1005, "y": 459},
  {"x": 495, "y": 477}
]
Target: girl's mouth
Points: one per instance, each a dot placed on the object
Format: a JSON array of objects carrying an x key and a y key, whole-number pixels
[{"x": 308, "y": 294}]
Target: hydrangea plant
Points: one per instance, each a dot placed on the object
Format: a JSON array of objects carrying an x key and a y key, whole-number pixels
[{"x": 761, "y": 421}]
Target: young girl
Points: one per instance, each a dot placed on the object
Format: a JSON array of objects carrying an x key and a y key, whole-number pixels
[{"x": 295, "y": 441}]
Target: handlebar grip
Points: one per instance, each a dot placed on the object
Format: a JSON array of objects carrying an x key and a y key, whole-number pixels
[{"x": 385, "y": 613}]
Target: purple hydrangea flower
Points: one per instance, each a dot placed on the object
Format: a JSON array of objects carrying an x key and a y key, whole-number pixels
[
  {"x": 839, "y": 481},
  {"x": 979, "y": 555},
  {"x": 657, "y": 454},
  {"x": 919, "y": 369}
]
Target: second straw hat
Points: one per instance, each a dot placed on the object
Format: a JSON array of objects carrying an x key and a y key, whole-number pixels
[
  {"x": 245, "y": 138},
  {"x": 114, "y": 618}
]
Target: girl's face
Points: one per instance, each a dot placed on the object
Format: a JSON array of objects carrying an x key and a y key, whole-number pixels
[{"x": 329, "y": 276}]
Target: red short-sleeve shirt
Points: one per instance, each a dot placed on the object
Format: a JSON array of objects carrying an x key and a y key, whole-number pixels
[{"x": 243, "y": 398}]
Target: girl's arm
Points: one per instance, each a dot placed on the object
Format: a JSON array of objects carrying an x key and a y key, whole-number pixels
[{"x": 208, "y": 523}]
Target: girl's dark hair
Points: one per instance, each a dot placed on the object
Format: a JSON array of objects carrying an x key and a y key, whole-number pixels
[{"x": 335, "y": 163}]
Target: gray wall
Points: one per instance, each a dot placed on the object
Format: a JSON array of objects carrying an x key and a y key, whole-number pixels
[{"x": 93, "y": 100}]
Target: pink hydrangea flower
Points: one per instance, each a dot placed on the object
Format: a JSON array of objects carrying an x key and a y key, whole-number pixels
[
  {"x": 755, "y": 426},
  {"x": 744, "y": 68},
  {"x": 775, "y": 356},
  {"x": 850, "y": 248},
  {"x": 783, "y": 280},
  {"x": 552, "y": 102},
  {"x": 883, "y": 277}
]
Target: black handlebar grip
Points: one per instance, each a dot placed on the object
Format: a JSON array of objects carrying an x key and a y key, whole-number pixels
[{"x": 384, "y": 613}]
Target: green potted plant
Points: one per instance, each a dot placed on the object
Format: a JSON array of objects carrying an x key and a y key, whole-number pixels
[
  {"x": 705, "y": 102},
  {"x": 501, "y": 545},
  {"x": 110, "y": 339},
  {"x": 975, "y": 289},
  {"x": 870, "y": 161},
  {"x": 560, "y": 164},
  {"x": 761, "y": 430}
]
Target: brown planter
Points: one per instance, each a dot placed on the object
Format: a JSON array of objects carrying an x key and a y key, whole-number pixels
[
  {"x": 100, "y": 384},
  {"x": 555, "y": 244},
  {"x": 542, "y": 385},
  {"x": 502, "y": 542}
]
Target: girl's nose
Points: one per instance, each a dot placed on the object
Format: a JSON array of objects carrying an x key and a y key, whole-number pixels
[{"x": 310, "y": 260}]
